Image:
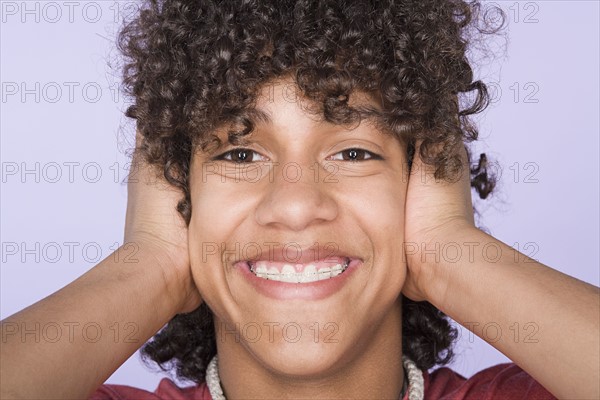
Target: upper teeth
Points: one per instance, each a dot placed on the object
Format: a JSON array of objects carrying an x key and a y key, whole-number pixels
[{"x": 289, "y": 274}]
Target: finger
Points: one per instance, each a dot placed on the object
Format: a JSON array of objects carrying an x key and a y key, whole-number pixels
[
  {"x": 143, "y": 172},
  {"x": 451, "y": 189}
]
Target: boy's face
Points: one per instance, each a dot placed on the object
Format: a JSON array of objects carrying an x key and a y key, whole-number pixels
[{"x": 296, "y": 197}]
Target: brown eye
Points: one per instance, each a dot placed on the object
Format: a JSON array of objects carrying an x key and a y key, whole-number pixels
[
  {"x": 355, "y": 154},
  {"x": 241, "y": 155}
]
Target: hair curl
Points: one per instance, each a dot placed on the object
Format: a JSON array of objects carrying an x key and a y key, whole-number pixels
[{"x": 194, "y": 65}]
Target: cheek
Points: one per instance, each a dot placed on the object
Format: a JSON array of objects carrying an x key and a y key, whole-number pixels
[
  {"x": 380, "y": 214},
  {"x": 379, "y": 204},
  {"x": 210, "y": 225},
  {"x": 220, "y": 210},
  {"x": 217, "y": 209}
]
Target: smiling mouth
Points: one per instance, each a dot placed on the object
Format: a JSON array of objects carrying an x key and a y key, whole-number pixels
[{"x": 299, "y": 273}]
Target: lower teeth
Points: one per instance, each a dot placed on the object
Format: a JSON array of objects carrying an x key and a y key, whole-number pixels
[{"x": 304, "y": 277}]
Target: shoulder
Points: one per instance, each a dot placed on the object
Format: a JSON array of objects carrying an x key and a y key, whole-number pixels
[
  {"x": 167, "y": 389},
  {"x": 502, "y": 381}
]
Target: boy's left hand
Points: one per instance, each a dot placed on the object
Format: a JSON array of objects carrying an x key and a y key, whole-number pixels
[{"x": 436, "y": 211}]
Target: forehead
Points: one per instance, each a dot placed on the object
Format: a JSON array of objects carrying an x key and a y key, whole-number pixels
[
  {"x": 285, "y": 96},
  {"x": 280, "y": 106}
]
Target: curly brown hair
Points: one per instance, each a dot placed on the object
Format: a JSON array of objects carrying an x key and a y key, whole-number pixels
[{"x": 192, "y": 66}]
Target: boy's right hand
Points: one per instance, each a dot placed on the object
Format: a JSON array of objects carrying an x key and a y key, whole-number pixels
[{"x": 153, "y": 225}]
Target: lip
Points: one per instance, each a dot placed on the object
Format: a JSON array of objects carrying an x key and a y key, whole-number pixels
[
  {"x": 297, "y": 291},
  {"x": 294, "y": 253}
]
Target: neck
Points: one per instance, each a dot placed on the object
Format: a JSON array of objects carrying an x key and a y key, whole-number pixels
[{"x": 369, "y": 367}]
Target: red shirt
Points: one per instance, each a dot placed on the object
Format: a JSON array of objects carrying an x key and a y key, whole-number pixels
[{"x": 503, "y": 381}]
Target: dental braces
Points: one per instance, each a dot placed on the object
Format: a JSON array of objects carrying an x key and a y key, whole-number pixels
[{"x": 251, "y": 265}]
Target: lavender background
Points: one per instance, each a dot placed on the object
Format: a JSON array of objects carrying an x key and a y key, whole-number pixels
[{"x": 545, "y": 141}]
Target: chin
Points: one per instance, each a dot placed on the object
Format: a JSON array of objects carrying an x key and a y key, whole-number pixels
[
  {"x": 293, "y": 345},
  {"x": 304, "y": 359}
]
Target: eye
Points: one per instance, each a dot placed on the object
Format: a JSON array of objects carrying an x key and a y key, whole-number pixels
[
  {"x": 355, "y": 154},
  {"x": 241, "y": 155}
]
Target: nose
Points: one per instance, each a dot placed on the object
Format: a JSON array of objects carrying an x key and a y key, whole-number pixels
[{"x": 296, "y": 202}]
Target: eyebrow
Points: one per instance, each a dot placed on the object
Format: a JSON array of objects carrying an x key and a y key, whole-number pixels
[
  {"x": 367, "y": 112},
  {"x": 258, "y": 117},
  {"x": 255, "y": 116}
]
